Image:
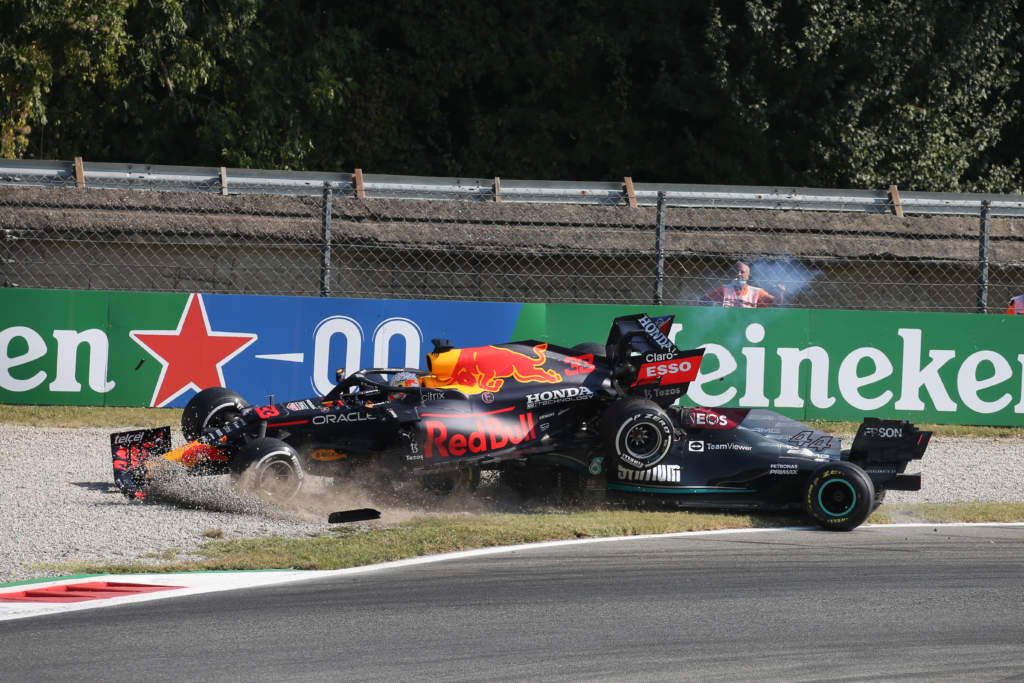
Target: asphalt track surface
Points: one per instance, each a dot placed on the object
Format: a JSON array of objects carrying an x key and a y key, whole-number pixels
[{"x": 926, "y": 603}]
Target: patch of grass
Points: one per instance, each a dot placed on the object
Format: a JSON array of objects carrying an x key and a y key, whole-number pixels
[
  {"x": 959, "y": 512},
  {"x": 354, "y": 547}
]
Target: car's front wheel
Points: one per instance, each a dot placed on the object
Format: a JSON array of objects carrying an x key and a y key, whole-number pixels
[
  {"x": 209, "y": 409},
  {"x": 270, "y": 468},
  {"x": 839, "y": 496}
]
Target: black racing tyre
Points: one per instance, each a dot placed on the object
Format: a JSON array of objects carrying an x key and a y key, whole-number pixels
[
  {"x": 524, "y": 481},
  {"x": 879, "y": 498},
  {"x": 270, "y": 468},
  {"x": 637, "y": 433},
  {"x": 209, "y": 409},
  {"x": 570, "y": 486},
  {"x": 839, "y": 496},
  {"x": 558, "y": 485},
  {"x": 461, "y": 480}
]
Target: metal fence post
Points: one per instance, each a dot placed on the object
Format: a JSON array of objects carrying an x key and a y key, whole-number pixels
[
  {"x": 983, "y": 243},
  {"x": 5, "y": 238},
  {"x": 659, "y": 252},
  {"x": 325, "y": 243}
]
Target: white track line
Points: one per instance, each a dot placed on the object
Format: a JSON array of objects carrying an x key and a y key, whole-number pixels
[{"x": 194, "y": 583}]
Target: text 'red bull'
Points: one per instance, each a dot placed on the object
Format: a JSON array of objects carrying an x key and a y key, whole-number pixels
[{"x": 489, "y": 435}]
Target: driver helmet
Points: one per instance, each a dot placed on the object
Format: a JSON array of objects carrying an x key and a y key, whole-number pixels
[{"x": 402, "y": 379}]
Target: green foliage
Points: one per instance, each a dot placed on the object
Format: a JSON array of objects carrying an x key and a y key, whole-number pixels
[
  {"x": 55, "y": 51},
  {"x": 835, "y": 93},
  {"x": 842, "y": 93}
]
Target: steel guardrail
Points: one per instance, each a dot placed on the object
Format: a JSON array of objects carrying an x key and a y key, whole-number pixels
[{"x": 22, "y": 172}]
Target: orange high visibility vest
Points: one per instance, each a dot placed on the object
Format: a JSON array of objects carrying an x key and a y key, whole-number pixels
[{"x": 750, "y": 297}]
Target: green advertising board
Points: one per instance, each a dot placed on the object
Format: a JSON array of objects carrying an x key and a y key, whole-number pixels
[
  {"x": 74, "y": 348},
  {"x": 142, "y": 349},
  {"x": 839, "y": 365}
]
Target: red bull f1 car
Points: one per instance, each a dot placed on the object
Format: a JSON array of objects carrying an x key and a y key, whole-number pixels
[{"x": 591, "y": 420}]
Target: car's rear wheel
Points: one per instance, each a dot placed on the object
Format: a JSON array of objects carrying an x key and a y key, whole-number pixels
[
  {"x": 461, "y": 480},
  {"x": 549, "y": 484},
  {"x": 637, "y": 433},
  {"x": 839, "y": 496},
  {"x": 525, "y": 481},
  {"x": 209, "y": 409},
  {"x": 269, "y": 468}
]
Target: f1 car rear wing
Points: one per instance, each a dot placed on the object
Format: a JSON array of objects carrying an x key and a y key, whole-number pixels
[
  {"x": 137, "y": 454},
  {"x": 888, "y": 441},
  {"x": 884, "y": 448},
  {"x": 645, "y": 362},
  {"x": 130, "y": 450}
]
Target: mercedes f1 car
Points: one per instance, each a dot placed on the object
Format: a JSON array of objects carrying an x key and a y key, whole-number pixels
[{"x": 587, "y": 420}]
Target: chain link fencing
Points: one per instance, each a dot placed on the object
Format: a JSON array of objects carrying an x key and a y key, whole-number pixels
[{"x": 434, "y": 244}]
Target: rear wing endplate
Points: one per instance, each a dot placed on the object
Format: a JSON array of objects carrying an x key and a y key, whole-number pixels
[
  {"x": 130, "y": 450},
  {"x": 888, "y": 441},
  {"x": 645, "y": 362}
]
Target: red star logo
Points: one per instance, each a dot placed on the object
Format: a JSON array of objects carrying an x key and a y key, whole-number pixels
[{"x": 192, "y": 356}]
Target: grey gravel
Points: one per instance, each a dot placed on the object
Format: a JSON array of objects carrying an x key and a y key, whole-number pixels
[
  {"x": 968, "y": 469},
  {"x": 58, "y": 503}
]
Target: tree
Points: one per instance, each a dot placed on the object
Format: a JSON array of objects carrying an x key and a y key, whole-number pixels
[
  {"x": 50, "y": 50},
  {"x": 834, "y": 93},
  {"x": 844, "y": 93}
]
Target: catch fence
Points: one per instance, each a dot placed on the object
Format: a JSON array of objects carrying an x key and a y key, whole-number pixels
[{"x": 118, "y": 227}]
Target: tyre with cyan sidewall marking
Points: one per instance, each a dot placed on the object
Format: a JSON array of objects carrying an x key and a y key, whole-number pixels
[
  {"x": 270, "y": 468},
  {"x": 839, "y": 496},
  {"x": 209, "y": 409},
  {"x": 637, "y": 433}
]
